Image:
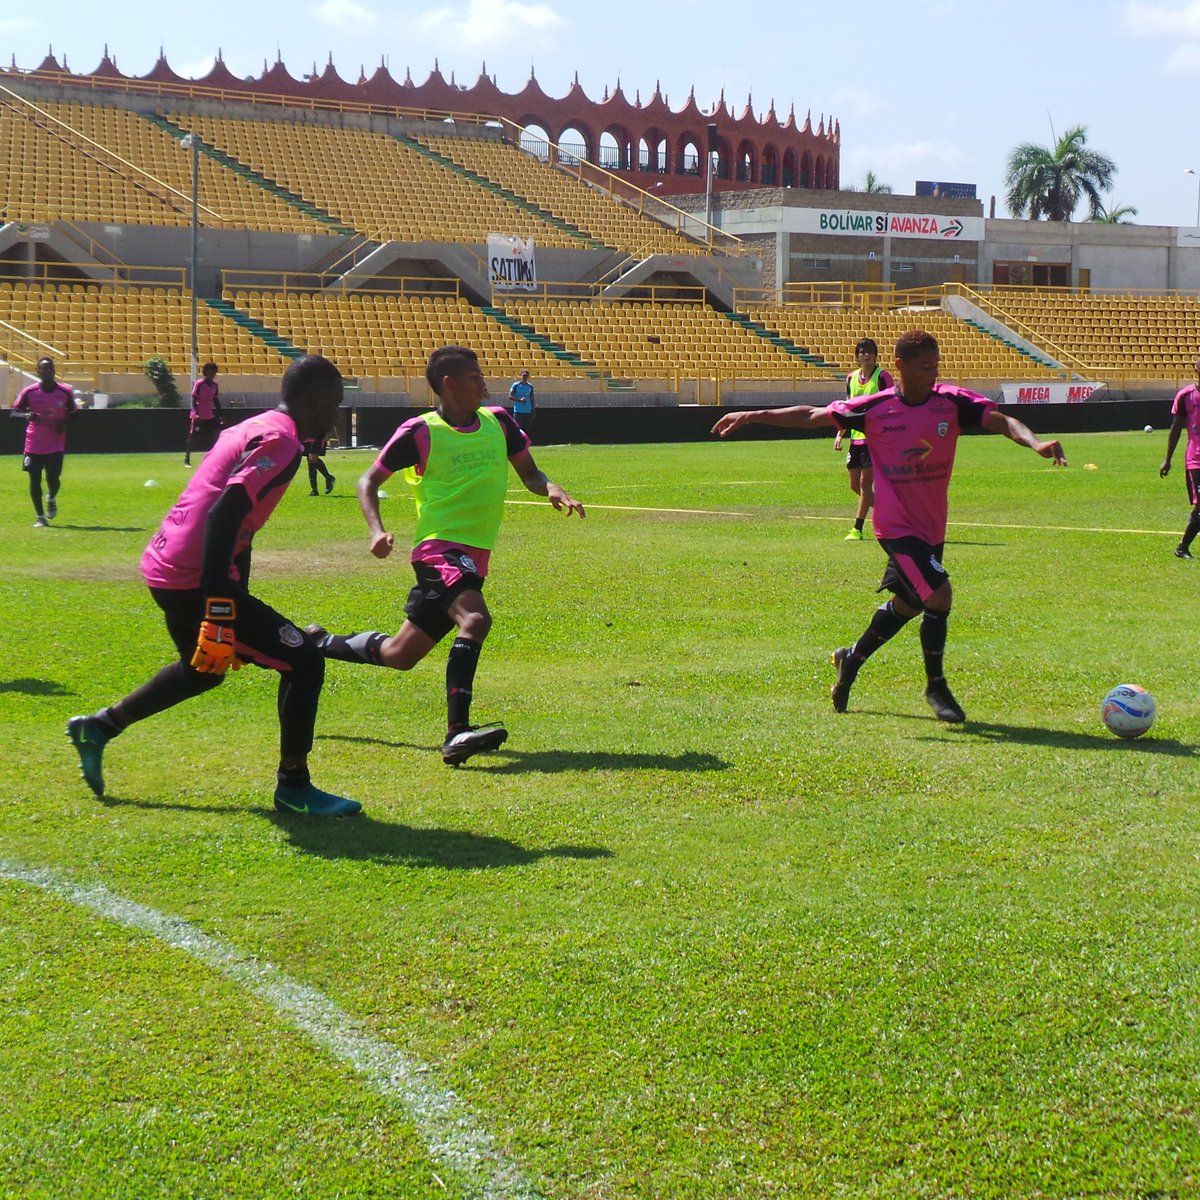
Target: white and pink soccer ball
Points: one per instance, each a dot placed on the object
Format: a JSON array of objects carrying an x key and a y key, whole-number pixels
[{"x": 1128, "y": 710}]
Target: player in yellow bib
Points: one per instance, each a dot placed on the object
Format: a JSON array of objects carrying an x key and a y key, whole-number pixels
[
  {"x": 865, "y": 380},
  {"x": 455, "y": 460}
]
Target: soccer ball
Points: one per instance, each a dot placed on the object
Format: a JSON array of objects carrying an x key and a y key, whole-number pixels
[{"x": 1128, "y": 710}]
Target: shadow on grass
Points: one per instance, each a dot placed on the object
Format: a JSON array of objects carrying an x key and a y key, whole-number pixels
[
  {"x": 36, "y": 687},
  {"x": 553, "y": 762},
  {"x": 1032, "y": 735},
  {"x": 103, "y": 528},
  {"x": 364, "y": 839}
]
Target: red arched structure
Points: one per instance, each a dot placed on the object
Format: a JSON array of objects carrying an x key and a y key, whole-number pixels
[{"x": 777, "y": 153}]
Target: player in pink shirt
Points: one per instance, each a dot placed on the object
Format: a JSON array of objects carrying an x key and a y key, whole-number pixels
[
  {"x": 1186, "y": 413},
  {"x": 197, "y": 567},
  {"x": 47, "y": 405},
  {"x": 204, "y": 422},
  {"x": 912, "y": 429}
]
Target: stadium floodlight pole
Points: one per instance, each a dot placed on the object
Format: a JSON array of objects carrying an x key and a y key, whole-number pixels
[
  {"x": 1189, "y": 171},
  {"x": 192, "y": 143}
]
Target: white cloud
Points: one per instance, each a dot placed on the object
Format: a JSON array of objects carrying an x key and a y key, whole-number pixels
[
  {"x": 1184, "y": 60},
  {"x": 484, "y": 24},
  {"x": 342, "y": 13},
  {"x": 1163, "y": 20}
]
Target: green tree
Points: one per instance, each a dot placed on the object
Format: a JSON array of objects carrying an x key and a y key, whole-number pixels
[
  {"x": 872, "y": 186},
  {"x": 1119, "y": 214},
  {"x": 1049, "y": 182}
]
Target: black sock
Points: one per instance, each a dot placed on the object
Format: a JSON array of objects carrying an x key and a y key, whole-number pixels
[
  {"x": 293, "y": 777},
  {"x": 933, "y": 643},
  {"x": 110, "y": 719},
  {"x": 355, "y": 648},
  {"x": 1193, "y": 528},
  {"x": 460, "y": 676},
  {"x": 859, "y": 522},
  {"x": 885, "y": 624}
]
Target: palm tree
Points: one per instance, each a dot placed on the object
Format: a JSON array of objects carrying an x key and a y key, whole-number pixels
[
  {"x": 873, "y": 186},
  {"x": 1049, "y": 182},
  {"x": 1119, "y": 214}
]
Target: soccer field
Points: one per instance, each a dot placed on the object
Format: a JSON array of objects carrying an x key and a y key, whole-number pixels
[{"x": 689, "y": 933}]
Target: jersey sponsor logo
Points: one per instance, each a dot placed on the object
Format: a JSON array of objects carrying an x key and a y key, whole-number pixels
[
  {"x": 265, "y": 464},
  {"x": 893, "y": 429},
  {"x": 468, "y": 564},
  {"x": 289, "y": 635},
  {"x": 937, "y": 566}
]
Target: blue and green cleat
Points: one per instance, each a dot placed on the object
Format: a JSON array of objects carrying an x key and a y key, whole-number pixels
[
  {"x": 311, "y": 801},
  {"x": 89, "y": 736}
]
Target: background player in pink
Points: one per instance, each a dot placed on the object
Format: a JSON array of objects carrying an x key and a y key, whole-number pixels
[
  {"x": 197, "y": 567},
  {"x": 456, "y": 462},
  {"x": 1186, "y": 414},
  {"x": 913, "y": 431},
  {"x": 47, "y": 405},
  {"x": 204, "y": 421}
]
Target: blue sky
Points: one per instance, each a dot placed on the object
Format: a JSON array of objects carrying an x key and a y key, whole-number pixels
[{"x": 924, "y": 89}]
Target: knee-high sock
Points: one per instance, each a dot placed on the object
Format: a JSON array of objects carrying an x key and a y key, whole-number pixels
[
  {"x": 1189, "y": 533},
  {"x": 354, "y": 647},
  {"x": 933, "y": 643},
  {"x": 460, "y": 678},
  {"x": 885, "y": 624}
]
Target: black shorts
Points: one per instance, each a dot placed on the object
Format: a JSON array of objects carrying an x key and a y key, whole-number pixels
[
  {"x": 914, "y": 569},
  {"x": 206, "y": 432},
  {"x": 858, "y": 457},
  {"x": 1192, "y": 477},
  {"x": 431, "y": 597},
  {"x": 50, "y": 463},
  {"x": 264, "y": 637}
]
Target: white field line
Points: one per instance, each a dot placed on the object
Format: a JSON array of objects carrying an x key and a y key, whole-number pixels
[
  {"x": 708, "y": 512},
  {"x": 451, "y": 1134}
]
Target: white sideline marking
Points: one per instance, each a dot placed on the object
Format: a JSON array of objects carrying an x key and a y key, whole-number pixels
[
  {"x": 709, "y": 512},
  {"x": 450, "y": 1132}
]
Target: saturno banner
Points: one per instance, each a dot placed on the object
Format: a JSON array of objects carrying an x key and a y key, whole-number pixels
[
  {"x": 1075, "y": 392},
  {"x": 511, "y": 264}
]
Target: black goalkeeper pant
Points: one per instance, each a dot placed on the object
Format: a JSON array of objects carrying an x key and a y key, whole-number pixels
[{"x": 264, "y": 638}]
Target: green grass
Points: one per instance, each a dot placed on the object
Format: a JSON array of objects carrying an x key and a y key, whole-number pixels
[{"x": 689, "y": 933}]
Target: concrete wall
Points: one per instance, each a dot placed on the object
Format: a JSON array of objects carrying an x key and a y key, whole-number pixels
[{"x": 158, "y": 430}]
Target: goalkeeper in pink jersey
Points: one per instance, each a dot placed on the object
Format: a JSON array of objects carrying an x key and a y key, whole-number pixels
[
  {"x": 197, "y": 567},
  {"x": 912, "y": 429},
  {"x": 456, "y": 462}
]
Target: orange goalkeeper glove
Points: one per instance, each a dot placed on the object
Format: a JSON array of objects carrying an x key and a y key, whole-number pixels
[{"x": 214, "y": 654}]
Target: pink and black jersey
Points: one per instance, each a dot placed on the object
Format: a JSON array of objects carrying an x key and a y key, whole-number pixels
[
  {"x": 912, "y": 452},
  {"x": 205, "y": 394},
  {"x": 1187, "y": 404},
  {"x": 261, "y": 455},
  {"x": 46, "y": 432}
]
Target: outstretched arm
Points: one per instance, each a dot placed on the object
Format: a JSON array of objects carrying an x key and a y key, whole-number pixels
[
  {"x": 368, "y": 501},
  {"x": 801, "y": 416},
  {"x": 1014, "y": 430},
  {"x": 540, "y": 484},
  {"x": 1172, "y": 442}
]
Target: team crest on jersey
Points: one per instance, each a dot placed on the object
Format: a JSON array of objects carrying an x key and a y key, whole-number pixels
[
  {"x": 468, "y": 564},
  {"x": 943, "y": 428},
  {"x": 265, "y": 464},
  {"x": 289, "y": 635}
]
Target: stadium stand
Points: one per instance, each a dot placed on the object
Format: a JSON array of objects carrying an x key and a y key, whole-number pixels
[
  {"x": 599, "y": 215},
  {"x": 118, "y": 329},
  {"x": 967, "y": 352},
  {"x": 1133, "y": 335}
]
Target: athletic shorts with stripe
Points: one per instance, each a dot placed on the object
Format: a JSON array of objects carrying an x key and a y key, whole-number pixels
[{"x": 914, "y": 569}]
